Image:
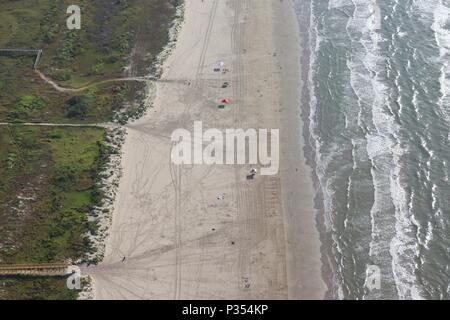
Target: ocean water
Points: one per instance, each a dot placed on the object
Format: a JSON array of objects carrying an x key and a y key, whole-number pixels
[{"x": 377, "y": 100}]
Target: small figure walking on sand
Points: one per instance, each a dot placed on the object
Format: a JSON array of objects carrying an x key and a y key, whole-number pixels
[{"x": 123, "y": 260}]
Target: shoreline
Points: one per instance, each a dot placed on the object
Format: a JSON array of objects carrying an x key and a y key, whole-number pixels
[
  {"x": 302, "y": 10},
  {"x": 179, "y": 241},
  {"x": 302, "y": 226}
]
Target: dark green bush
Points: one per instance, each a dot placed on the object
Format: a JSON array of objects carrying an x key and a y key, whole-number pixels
[{"x": 78, "y": 106}]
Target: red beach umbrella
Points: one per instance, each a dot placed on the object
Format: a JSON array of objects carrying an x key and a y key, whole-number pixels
[{"x": 226, "y": 101}]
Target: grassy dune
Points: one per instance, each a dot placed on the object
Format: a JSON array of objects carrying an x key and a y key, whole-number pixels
[
  {"x": 47, "y": 175},
  {"x": 46, "y": 190},
  {"x": 114, "y": 35}
]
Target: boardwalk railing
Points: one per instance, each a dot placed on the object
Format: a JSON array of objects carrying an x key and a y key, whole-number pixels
[
  {"x": 46, "y": 269},
  {"x": 36, "y": 52}
]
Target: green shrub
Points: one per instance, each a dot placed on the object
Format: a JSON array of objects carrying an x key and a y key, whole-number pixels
[
  {"x": 112, "y": 59},
  {"x": 30, "y": 103},
  {"x": 98, "y": 68},
  {"x": 78, "y": 106},
  {"x": 26, "y": 106},
  {"x": 64, "y": 178}
]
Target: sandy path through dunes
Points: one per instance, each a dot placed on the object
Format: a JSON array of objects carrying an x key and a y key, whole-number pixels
[{"x": 180, "y": 241}]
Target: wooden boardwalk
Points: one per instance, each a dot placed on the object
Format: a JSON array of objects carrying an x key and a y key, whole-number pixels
[{"x": 45, "y": 269}]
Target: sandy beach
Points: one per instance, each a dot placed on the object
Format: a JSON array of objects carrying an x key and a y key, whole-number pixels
[{"x": 204, "y": 231}]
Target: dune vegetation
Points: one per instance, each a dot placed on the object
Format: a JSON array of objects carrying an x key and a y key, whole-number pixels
[{"x": 48, "y": 174}]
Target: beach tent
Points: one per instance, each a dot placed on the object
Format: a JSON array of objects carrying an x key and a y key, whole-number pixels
[{"x": 225, "y": 101}]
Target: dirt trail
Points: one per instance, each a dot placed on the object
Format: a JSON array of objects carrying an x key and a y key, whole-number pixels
[
  {"x": 62, "y": 89},
  {"x": 79, "y": 125}
]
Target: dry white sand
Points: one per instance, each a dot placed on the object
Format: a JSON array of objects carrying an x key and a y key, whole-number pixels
[{"x": 180, "y": 241}]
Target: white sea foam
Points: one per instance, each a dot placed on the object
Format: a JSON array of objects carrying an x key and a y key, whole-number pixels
[
  {"x": 383, "y": 147},
  {"x": 403, "y": 246},
  {"x": 314, "y": 44},
  {"x": 370, "y": 92},
  {"x": 321, "y": 160},
  {"x": 441, "y": 26},
  {"x": 332, "y": 4},
  {"x": 393, "y": 223},
  {"x": 445, "y": 168}
]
